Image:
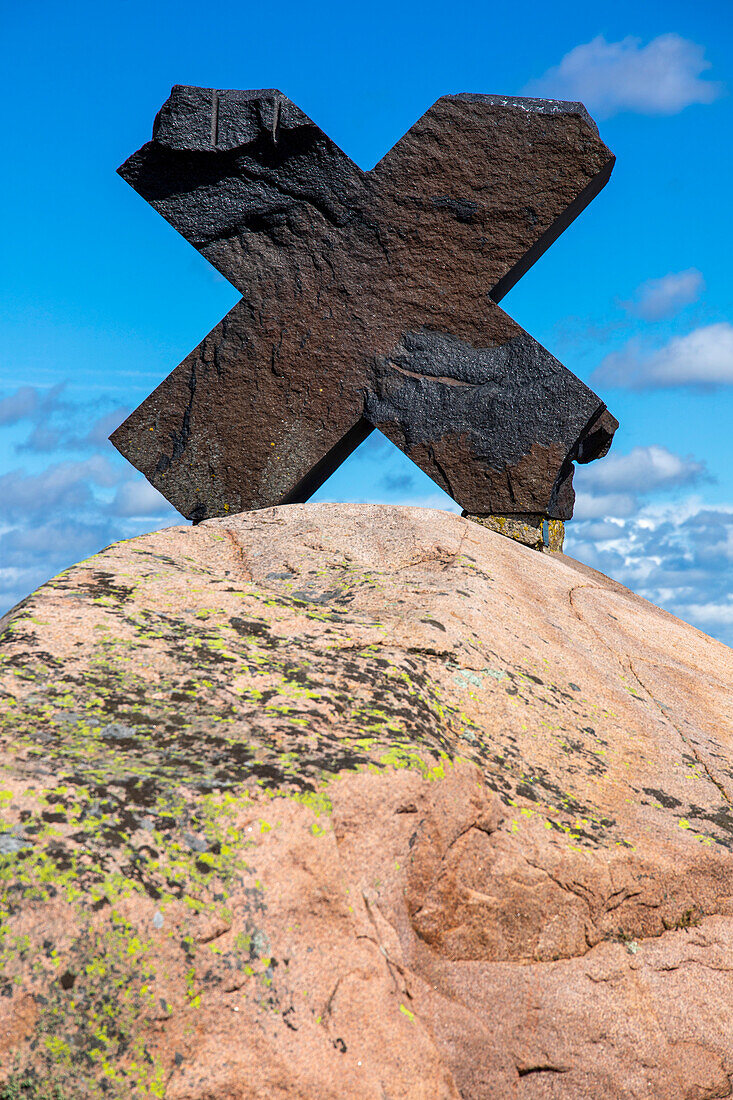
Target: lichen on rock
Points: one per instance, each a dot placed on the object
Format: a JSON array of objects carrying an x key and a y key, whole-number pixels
[{"x": 287, "y": 797}]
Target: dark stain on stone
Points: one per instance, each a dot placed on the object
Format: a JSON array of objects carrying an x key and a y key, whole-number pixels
[
  {"x": 249, "y": 627},
  {"x": 525, "y": 790},
  {"x": 462, "y": 209},
  {"x": 103, "y": 584},
  {"x": 667, "y": 800}
]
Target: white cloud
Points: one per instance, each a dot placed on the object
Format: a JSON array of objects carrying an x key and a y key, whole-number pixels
[
  {"x": 101, "y": 429},
  {"x": 611, "y": 489},
  {"x": 19, "y": 405},
  {"x": 642, "y": 470},
  {"x": 660, "y": 78},
  {"x": 50, "y": 435},
  {"x": 51, "y": 518},
  {"x": 62, "y": 485},
  {"x": 59, "y": 423},
  {"x": 139, "y": 498},
  {"x": 658, "y": 298},
  {"x": 29, "y": 403},
  {"x": 21, "y": 545},
  {"x": 702, "y": 358},
  {"x": 602, "y": 505},
  {"x": 35, "y": 550},
  {"x": 712, "y": 614},
  {"x": 604, "y": 530},
  {"x": 679, "y": 556}
]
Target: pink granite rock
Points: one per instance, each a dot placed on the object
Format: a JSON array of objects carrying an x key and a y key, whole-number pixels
[{"x": 333, "y": 801}]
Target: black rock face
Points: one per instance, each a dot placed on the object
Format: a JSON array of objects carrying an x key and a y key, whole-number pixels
[{"x": 369, "y": 300}]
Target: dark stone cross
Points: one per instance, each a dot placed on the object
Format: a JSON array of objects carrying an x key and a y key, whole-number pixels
[{"x": 369, "y": 301}]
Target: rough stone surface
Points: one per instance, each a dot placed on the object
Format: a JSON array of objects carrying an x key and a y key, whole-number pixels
[
  {"x": 369, "y": 300},
  {"x": 342, "y": 801},
  {"x": 531, "y": 530}
]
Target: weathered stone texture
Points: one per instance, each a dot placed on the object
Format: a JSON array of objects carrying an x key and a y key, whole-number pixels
[
  {"x": 369, "y": 300},
  {"x": 531, "y": 530},
  {"x": 330, "y": 801}
]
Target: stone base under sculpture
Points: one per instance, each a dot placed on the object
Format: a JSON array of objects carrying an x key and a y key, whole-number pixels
[
  {"x": 530, "y": 528},
  {"x": 351, "y": 801}
]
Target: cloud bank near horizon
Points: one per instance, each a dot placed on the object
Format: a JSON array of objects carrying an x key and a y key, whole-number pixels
[{"x": 632, "y": 520}]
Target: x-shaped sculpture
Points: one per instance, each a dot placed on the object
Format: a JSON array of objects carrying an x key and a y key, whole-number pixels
[{"x": 369, "y": 301}]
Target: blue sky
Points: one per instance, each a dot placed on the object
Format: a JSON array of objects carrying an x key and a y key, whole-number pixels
[{"x": 101, "y": 298}]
